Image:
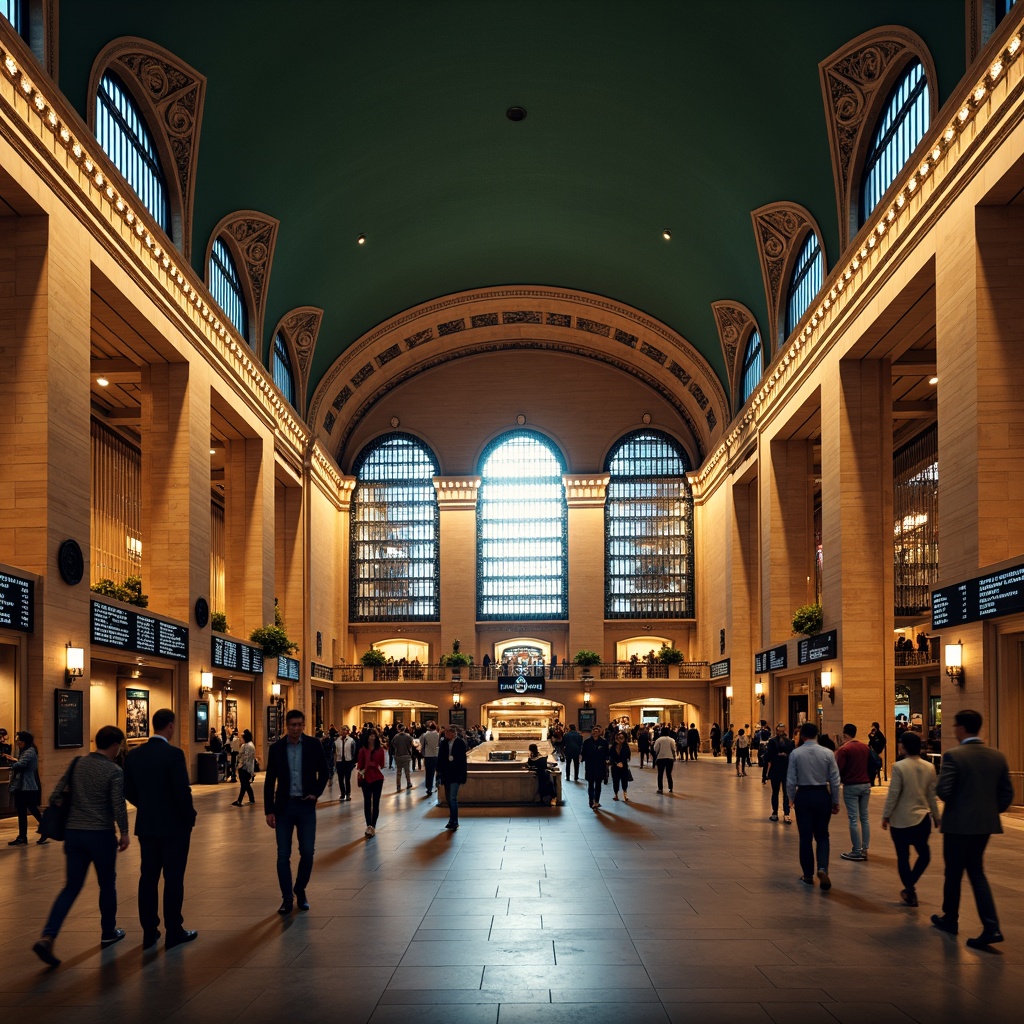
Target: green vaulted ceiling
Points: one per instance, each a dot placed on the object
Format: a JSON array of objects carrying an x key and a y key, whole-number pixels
[{"x": 387, "y": 117}]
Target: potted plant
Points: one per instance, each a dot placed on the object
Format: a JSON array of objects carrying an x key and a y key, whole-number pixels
[
  {"x": 273, "y": 638},
  {"x": 808, "y": 619},
  {"x": 670, "y": 655},
  {"x": 219, "y": 622},
  {"x": 587, "y": 659},
  {"x": 457, "y": 659},
  {"x": 373, "y": 658},
  {"x": 130, "y": 591}
]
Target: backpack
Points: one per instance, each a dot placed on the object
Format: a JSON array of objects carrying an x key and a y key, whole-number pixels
[{"x": 874, "y": 763}]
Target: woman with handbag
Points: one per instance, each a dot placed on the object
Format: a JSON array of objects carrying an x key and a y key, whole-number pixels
[
  {"x": 25, "y": 785},
  {"x": 621, "y": 775},
  {"x": 246, "y": 769},
  {"x": 370, "y": 776}
]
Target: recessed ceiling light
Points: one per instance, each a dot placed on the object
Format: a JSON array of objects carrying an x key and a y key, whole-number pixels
[
  {"x": 213, "y": 451},
  {"x": 933, "y": 380},
  {"x": 666, "y": 234},
  {"x": 102, "y": 381},
  {"x": 361, "y": 240},
  {"x": 516, "y": 113}
]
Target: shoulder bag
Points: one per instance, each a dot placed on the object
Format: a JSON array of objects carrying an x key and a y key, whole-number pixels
[{"x": 54, "y": 821}]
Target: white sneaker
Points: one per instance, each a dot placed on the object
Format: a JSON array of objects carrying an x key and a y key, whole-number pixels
[
  {"x": 368, "y": 832},
  {"x": 373, "y": 831}
]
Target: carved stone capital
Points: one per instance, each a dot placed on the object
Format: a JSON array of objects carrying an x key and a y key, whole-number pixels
[
  {"x": 585, "y": 491},
  {"x": 456, "y": 493},
  {"x": 735, "y": 324}
]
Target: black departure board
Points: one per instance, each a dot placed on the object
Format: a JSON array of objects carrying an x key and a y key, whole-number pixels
[
  {"x": 774, "y": 660},
  {"x": 721, "y": 669},
  {"x": 287, "y": 668},
  {"x": 234, "y": 654},
  {"x": 817, "y": 648},
  {"x": 984, "y": 597},
  {"x": 16, "y": 605},
  {"x": 126, "y": 630}
]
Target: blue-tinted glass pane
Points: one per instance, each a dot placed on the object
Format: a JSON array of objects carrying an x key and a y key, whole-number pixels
[
  {"x": 226, "y": 287},
  {"x": 752, "y": 365},
  {"x": 123, "y": 134},
  {"x": 394, "y": 533},
  {"x": 900, "y": 129},
  {"x": 283, "y": 377},
  {"x": 805, "y": 283},
  {"x": 522, "y": 523},
  {"x": 16, "y": 12},
  {"x": 648, "y": 530}
]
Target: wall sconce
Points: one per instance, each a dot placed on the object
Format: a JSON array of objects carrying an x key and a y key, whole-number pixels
[
  {"x": 728, "y": 693},
  {"x": 826, "y": 684},
  {"x": 456, "y": 693},
  {"x": 759, "y": 691},
  {"x": 586, "y": 698},
  {"x": 275, "y": 689},
  {"x": 205, "y": 683},
  {"x": 74, "y": 663},
  {"x": 955, "y": 663}
]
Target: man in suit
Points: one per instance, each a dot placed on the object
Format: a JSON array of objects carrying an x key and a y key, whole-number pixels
[
  {"x": 975, "y": 784},
  {"x": 451, "y": 770},
  {"x": 296, "y": 776},
  {"x": 156, "y": 781}
]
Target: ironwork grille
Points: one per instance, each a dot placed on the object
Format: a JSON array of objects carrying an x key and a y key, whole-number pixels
[
  {"x": 916, "y": 527},
  {"x": 900, "y": 130},
  {"x": 115, "y": 508},
  {"x": 805, "y": 282},
  {"x": 752, "y": 365},
  {"x": 283, "y": 376},
  {"x": 226, "y": 287},
  {"x": 394, "y": 542},
  {"x": 648, "y": 530},
  {"x": 522, "y": 530},
  {"x": 122, "y": 132}
]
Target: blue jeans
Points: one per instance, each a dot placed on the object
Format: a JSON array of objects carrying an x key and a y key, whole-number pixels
[
  {"x": 451, "y": 790},
  {"x": 82, "y": 848},
  {"x": 299, "y": 815},
  {"x": 857, "y": 798}
]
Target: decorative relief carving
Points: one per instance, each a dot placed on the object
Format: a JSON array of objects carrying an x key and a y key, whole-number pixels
[
  {"x": 362, "y": 374},
  {"x": 484, "y": 320},
  {"x": 679, "y": 373},
  {"x": 521, "y": 316},
  {"x": 419, "y": 338},
  {"x": 593, "y": 327},
  {"x": 559, "y": 320},
  {"x": 855, "y": 83},
  {"x": 627, "y": 339},
  {"x": 170, "y": 95},
  {"x": 451, "y": 327},
  {"x": 702, "y": 399},
  {"x": 651, "y": 352},
  {"x": 299, "y": 329},
  {"x": 388, "y": 354},
  {"x": 735, "y": 323},
  {"x": 711, "y": 418},
  {"x": 343, "y": 396},
  {"x": 329, "y": 421},
  {"x": 780, "y": 228}
]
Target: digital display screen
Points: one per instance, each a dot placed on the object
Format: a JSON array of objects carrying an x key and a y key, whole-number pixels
[
  {"x": 720, "y": 669},
  {"x": 287, "y": 668},
  {"x": 111, "y": 626},
  {"x": 774, "y": 660},
  {"x": 817, "y": 648},
  {"x": 235, "y": 655},
  {"x": 985, "y": 597},
  {"x": 16, "y": 602}
]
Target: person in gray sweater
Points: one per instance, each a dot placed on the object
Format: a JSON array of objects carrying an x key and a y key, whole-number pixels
[{"x": 97, "y": 805}]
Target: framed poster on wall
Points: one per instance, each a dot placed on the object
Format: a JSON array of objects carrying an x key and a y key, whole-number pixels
[
  {"x": 586, "y": 719},
  {"x": 136, "y": 714},
  {"x": 69, "y": 718},
  {"x": 230, "y": 716},
  {"x": 275, "y": 722},
  {"x": 201, "y": 733}
]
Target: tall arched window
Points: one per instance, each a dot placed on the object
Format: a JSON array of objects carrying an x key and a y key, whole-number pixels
[
  {"x": 16, "y": 12},
  {"x": 122, "y": 132},
  {"x": 282, "y": 370},
  {"x": 900, "y": 128},
  {"x": 752, "y": 365},
  {"x": 394, "y": 533},
  {"x": 226, "y": 287},
  {"x": 648, "y": 530},
  {"x": 805, "y": 282},
  {"x": 522, "y": 528}
]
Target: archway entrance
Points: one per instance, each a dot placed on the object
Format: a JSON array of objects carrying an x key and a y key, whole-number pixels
[
  {"x": 656, "y": 709},
  {"x": 394, "y": 710},
  {"x": 522, "y": 718}
]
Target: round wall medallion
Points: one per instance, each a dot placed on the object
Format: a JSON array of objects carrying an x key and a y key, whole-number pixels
[
  {"x": 202, "y": 612},
  {"x": 520, "y": 419},
  {"x": 70, "y": 563},
  {"x": 395, "y": 421}
]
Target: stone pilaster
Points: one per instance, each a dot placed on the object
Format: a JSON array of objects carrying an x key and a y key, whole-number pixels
[
  {"x": 585, "y": 497},
  {"x": 457, "y": 500}
]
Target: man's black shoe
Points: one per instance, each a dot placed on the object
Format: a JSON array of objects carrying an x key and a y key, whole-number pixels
[
  {"x": 180, "y": 939},
  {"x": 150, "y": 939},
  {"x": 44, "y": 950},
  {"x": 109, "y": 940},
  {"x": 943, "y": 925},
  {"x": 985, "y": 939},
  {"x": 301, "y": 901},
  {"x": 285, "y": 908}
]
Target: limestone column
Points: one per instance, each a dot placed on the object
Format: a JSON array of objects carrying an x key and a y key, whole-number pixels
[
  {"x": 341, "y": 579},
  {"x": 743, "y": 635},
  {"x": 457, "y": 499},
  {"x": 585, "y": 496},
  {"x": 857, "y": 539}
]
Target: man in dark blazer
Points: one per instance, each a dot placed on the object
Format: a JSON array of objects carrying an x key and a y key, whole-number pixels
[
  {"x": 296, "y": 776},
  {"x": 156, "y": 781},
  {"x": 975, "y": 785},
  {"x": 451, "y": 770}
]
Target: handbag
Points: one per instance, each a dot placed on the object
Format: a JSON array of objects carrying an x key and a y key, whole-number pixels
[
  {"x": 54, "y": 821},
  {"x": 627, "y": 775}
]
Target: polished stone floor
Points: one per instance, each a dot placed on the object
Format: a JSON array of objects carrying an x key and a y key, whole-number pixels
[{"x": 668, "y": 908}]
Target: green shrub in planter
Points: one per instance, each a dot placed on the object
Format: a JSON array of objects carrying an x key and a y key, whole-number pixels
[{"x": 808, "y": 619}]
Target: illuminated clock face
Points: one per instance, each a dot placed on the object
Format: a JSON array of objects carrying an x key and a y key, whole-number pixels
[{"x": 520, "y": 684}]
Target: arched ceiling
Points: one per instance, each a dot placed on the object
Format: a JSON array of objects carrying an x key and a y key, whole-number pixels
[{"x": 387, "y": 118}]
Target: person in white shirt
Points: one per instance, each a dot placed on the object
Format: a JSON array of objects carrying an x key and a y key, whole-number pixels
[
  {"x": 664, "y": 758},
  {"x": 430, "y": 741},
  {"x": 345, "y": 758}
]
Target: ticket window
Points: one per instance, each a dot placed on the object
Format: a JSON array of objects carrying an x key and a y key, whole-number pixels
[
  {"x": 127, "y": 695},
  {"x": 9, "y": 689}
]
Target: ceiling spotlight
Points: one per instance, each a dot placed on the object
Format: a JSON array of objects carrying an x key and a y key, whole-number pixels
[
  {"x": 516, "y": 114},
  {"x": 666, "y": 234},
  {"x": 361, "y": 240},
  {"x": 933, "y": 380},
  {"x": 102, "y": 381},
  {"x": 213, "y": 451}
]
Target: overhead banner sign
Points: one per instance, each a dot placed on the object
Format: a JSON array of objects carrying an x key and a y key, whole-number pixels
[{"x": 521, "y": 684}]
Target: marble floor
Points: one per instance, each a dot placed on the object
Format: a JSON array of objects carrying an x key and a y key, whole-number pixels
[{"x": 669, "y": 908}]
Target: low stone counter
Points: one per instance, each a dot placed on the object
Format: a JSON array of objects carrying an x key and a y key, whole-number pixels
[{"x": 499, "y": 784}]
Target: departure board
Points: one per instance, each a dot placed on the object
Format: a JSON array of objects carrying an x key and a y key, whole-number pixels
[
  {"x": 234, "y": 654},
  {"x": 113, "y": 626},
  {"x": 16, "y": 596},
  {"x": 720, "y": 669},
  {"x": 985, "y": 597},
  {"x": 774, "y": 660},
  {"x": 817, "y": 648},
  {"x": 287, "y": 668}
]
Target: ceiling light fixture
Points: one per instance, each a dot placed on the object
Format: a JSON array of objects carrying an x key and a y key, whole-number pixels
[
  {"x": 102, "y": 381},
  {"x": 933, "y": 380},
  {"x": 361, "y": 240},
  {"x": 667, "y": 235}
]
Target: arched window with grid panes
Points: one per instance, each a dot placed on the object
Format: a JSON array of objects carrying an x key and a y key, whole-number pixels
[
  {"x": 122, "y": 132},
  {"x": 648, "y": 529},
  {"x": 282, "y": 369},
  {"x": 522, "y": 530},
  {"x": 902, "y": 126},
  {"x": 394, "y": 561},
  {"x": 226, "y": 287},
  {"x": 753, "y": 365},
  {"x": 804, "y": 282}
]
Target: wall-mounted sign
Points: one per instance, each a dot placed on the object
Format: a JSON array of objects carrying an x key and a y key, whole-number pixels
[
  {"x": 139, "y": 634},
  {"x": 136, "y": 716},
  {"x": 201, "y": 730},
  {"x": 457, "y": 717},
  {"x": 69, "y": 718},
  {"x": 521, "y": 684},
  {"x": 287, "y": 668},
  {"x": 16, "y": 603},
  {"x": 773, "y": 660},
  {"x": 586, "y": 719},
  {"x": 817, "y": 648},
  {"x": 236, "y": 655},
  {"x": 985, "y": 597},
  {"x": 720, "y": 669}
]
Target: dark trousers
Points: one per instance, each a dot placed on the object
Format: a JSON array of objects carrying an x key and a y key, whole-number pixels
[
  {"x": 728, "y": 754},
  {"x": 813, "y": 810},
  {"x": 619, "y": 779},
  {"x": 967, "y": 853},
  {"x": 169, "y": 855},
  {"x": 371, "y": 800},
  {"x": 915, "y": 836},
  {"x": 778, "y": 784},
  {"x": 742, "y": 759},
  {"x": 345, "y": 777},
  {"x": 430, "y": 769},
  {"x": 298, "y": 815},
  {"x": 664, "y": 765},
  {"x": 232, "y": 765},
  {"x": 451, "y": 790},
  {"x": 245, "y": 786},
  {"x": 82, "y": 848},
  {"x": 594, "y": 789},
  {"x": 26, "y": 802},
  {"x": 572, "y": 764},
  {"x": 645, "y": 755}
]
